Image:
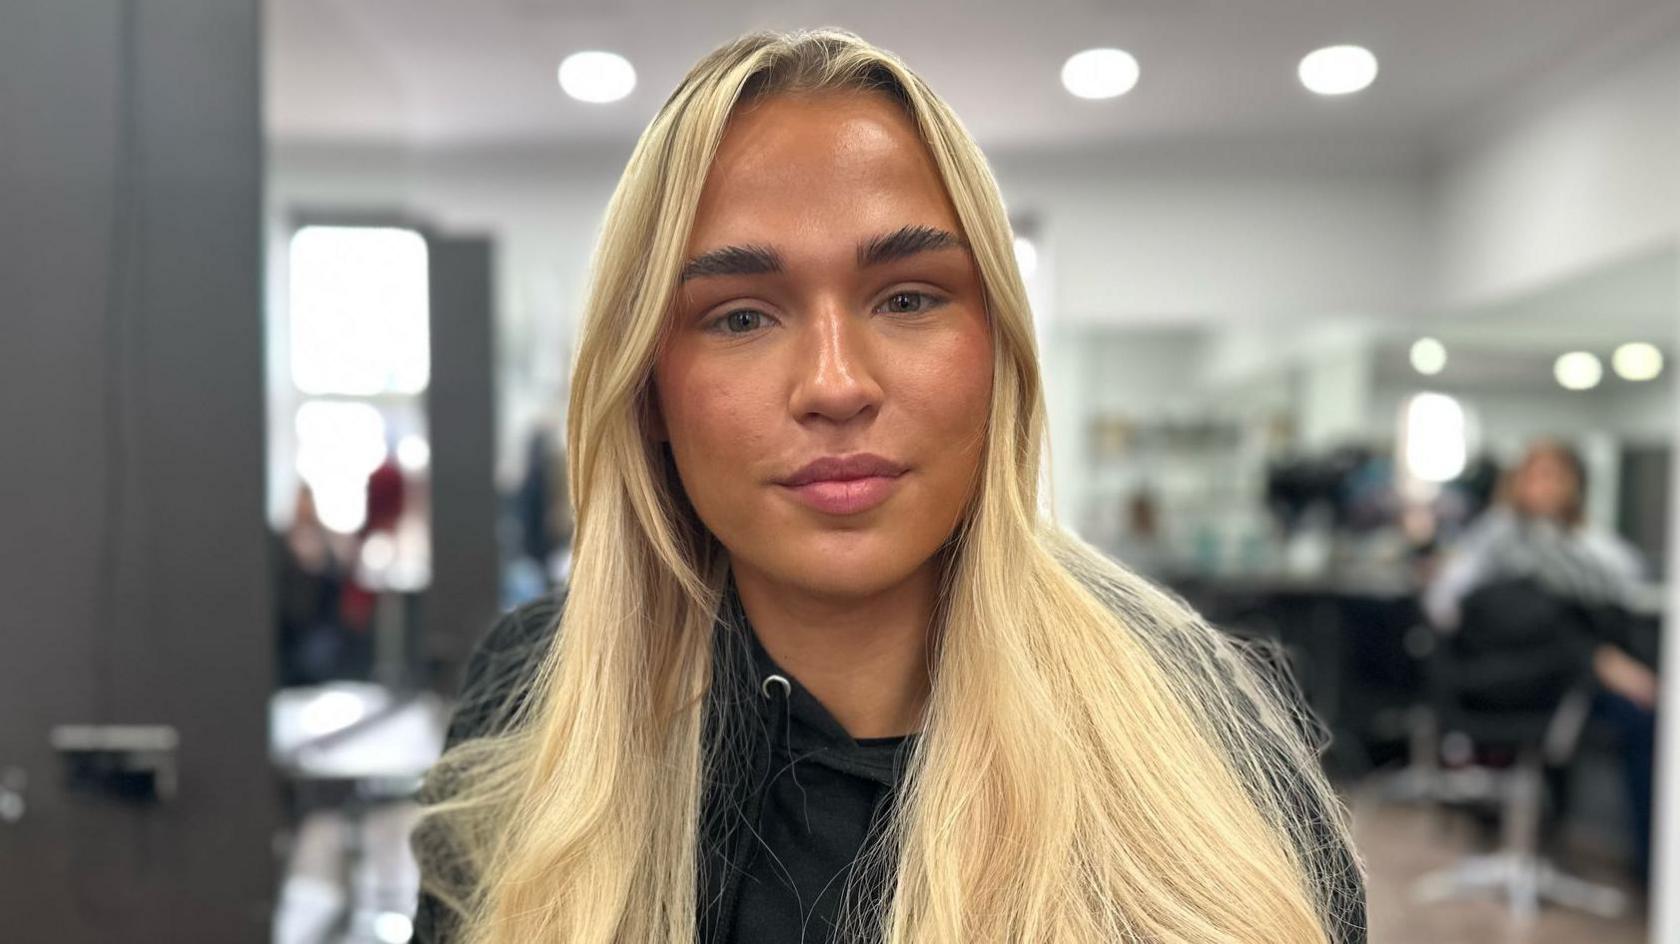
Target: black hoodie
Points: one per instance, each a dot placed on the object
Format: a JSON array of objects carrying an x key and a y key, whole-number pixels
[{"x": 781, "y": 834}]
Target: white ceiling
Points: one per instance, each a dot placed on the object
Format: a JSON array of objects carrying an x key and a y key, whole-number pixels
[{"x": 463, "y": 74}]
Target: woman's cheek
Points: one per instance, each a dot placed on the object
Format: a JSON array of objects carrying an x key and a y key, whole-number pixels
[
  {"x": 955, "y": 387},
  {"x": 728, "y": 437}
]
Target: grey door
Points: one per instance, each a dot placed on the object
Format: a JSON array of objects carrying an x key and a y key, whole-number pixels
[
  {"x": 460, "y": 411},
  {"x": 134, "y": 594}
]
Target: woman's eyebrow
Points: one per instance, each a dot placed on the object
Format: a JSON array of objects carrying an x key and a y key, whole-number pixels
[
  {"x": 733, "y": 260},
  {"x": 762, "y": 260},
  {"x": 907, "y": 241}
]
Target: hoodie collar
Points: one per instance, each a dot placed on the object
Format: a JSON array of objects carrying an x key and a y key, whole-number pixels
[{"x": 797, "y": 723}]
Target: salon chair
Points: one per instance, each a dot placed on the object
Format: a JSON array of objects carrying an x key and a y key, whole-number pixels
[{"x": 1508, "y": 696}]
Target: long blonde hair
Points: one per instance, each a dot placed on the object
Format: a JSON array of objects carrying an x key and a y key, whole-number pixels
[{"x": 1097, "y": 764}]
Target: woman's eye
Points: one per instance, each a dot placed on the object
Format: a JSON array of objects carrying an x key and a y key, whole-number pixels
[
  {"x": 908, "y": 303},
  {"x": 739, "y": 321}
]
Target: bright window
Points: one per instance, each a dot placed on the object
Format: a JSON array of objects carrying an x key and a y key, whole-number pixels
[{"x": 358, "y": 299}]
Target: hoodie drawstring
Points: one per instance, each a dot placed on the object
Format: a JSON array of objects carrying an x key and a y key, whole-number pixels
[{"x": 780, "y": 682}]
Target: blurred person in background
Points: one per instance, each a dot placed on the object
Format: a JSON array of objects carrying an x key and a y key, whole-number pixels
[
  {"x": 313, "y": 566},
  {"x": 541, "y": 504},
  {"x": 1140, "y": 545},
  {"x": 1538, "y": 532},
  {"x": 387, "y": 501},
  {"x": 797, "y": 691}
]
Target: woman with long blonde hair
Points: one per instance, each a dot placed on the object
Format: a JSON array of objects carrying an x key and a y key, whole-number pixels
[{"x": 824, "y": 670}]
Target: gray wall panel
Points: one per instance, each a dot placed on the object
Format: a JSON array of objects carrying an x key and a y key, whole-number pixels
[{"x": 132, "y": 553}]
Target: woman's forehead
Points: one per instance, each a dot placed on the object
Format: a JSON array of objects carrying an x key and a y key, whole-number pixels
[{"x": 831, "y": 166}]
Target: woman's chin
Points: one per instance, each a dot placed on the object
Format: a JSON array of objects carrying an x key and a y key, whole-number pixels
[{"x": 847, "y": 564}]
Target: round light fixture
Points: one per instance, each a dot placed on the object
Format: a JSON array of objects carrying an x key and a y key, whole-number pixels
[
  {"x": 1100, "y": 73},
  {"x": 597, "y": 77},
  {"x": 1636, "y": 361},
  {"x": 1338, "y": 70},
  {"x": 1578, "y": 370},
  {"x": 1429, "y": 356}
]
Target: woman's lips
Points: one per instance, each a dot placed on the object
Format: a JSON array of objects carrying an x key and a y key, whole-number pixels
[{"x": 845, "y": 496}]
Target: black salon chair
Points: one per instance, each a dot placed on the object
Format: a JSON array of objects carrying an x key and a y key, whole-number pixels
[{"x": 1509, "y": 694}]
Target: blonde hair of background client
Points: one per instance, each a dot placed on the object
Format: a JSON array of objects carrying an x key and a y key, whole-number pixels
[{"x": 1097, "y": 764}]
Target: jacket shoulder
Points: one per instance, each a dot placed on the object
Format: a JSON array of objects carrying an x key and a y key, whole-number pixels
[
  {"x": 501, "y": 667},
  {"x": 497, "y": 681}
]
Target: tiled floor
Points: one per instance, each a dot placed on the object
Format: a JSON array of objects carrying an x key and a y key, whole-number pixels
[{"x": 1402, "y": 843}]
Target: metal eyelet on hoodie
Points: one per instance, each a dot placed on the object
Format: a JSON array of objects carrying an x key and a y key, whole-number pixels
[{"x": 781, "y": 730}]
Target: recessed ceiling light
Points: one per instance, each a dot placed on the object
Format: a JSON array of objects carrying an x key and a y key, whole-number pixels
[
  {"x": 597, "y": 77},
  {"x": 1338, "y": 70},
  {"x": 1100, "y": 73},
  {"x": 1578, "y": 370},
  {"x": 1429, "y": 356},
  {"x": 1637, "y": 361}
]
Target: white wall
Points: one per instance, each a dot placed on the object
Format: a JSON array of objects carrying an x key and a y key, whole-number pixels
[
  {"x": 1561, "y": 187},
  {"x": 1144, "y": 244},
  {"x": 1088, "y": 374},
  {"x": 1665, "y": 880}
]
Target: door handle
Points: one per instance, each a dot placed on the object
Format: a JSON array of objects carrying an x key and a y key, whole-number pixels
[{"x": 119, "y": 761}]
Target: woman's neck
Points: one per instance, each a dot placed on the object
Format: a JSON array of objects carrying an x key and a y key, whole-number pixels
[{"x": 865, "y": 658}]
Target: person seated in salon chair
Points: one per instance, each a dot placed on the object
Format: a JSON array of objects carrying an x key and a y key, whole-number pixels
[{"x": 1536, "y": 537}]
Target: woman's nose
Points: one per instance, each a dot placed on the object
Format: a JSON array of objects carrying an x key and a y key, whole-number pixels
[{"x": 836, "y": 370}]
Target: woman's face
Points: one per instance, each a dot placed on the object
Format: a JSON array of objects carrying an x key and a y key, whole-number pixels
[
  {"x": 1546, "y": 485},
  {"x": 829, "y": 309}
]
